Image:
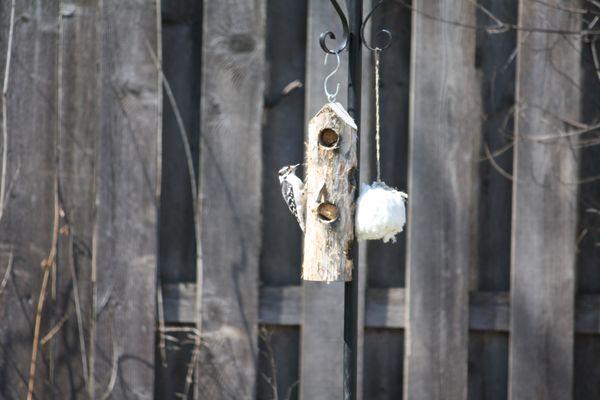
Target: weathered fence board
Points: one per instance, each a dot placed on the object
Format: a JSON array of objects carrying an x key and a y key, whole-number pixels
[
  {"x": 231, "y": 194},
  {"x": 78, "y": 131},
  {"x": 444, "y": 133},
  {"x": 125, "y": 248},
  {"x": 27, "y": 224},
  {"x": 544, "y": 208}
]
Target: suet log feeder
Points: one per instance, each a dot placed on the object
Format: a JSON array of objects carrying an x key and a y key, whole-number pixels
[{"x": 330, "y": 192}]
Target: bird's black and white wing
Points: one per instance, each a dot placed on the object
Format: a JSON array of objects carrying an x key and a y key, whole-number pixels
[{"x": 292, "y": 192}]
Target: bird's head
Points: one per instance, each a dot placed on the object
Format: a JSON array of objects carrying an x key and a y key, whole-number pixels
[{"x": 285, "y": 171}]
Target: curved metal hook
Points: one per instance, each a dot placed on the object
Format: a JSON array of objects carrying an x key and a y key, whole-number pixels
[
  {"x": 325, "y": 35},
  {"x": 331, "y": 96},
  {"x": 388, "y": 35}
]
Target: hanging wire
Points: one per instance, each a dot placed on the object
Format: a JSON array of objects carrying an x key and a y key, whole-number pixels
[
  {"x": 376, "y": 54},
  {"x": 346, "y": 33},
  {"x": 331, "y": 96},
  {"x": 385, "y": 43}
]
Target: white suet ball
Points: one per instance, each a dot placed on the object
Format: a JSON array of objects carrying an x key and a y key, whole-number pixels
[{"x": 380, "y": 212}]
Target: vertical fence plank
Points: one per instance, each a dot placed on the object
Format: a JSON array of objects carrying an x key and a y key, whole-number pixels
[
  {"x": 544, "y": 210},
  {"x": 444, "y": 131},
  {"x": 230, "y": 183},
  {"x": 78, "y": 131},
  {"x": 125, "y": 251},
  {"x": 27, "y": 221},
  {"x": 322, "y": 337}
]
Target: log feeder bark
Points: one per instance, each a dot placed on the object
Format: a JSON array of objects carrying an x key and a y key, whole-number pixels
[{"x": 331, "y": 165}]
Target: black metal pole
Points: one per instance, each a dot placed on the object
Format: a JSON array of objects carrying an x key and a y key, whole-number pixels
[{"x": 351, "y": 288}]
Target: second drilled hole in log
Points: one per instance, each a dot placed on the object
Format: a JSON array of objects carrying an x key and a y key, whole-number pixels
[{"x": 328, "y": 213}]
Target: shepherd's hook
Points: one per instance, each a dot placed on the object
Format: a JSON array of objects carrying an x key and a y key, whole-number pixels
[
  {"x": 387, "y": 41},
  {"x": 331, "y": 96},
  {"x": 342, "y": 46}
]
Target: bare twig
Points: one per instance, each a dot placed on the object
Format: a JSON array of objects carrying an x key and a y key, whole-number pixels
[
  {"x": 11, "y": 29},
  {"x": 115, "y": 368},
  {"x": 36, "y": 333},
  {"x": 82, "y": 346},
  {"x": 561, "y": 135},
  {"x": 494, "y": 164},
  {"x": 498, "y": 152},
  {"x": 573, "y": 10},
  {"x": 290, "y": 390},
  {"x": 595, "y": 57},
  {"x": 159, "y": 294},
  {"x": 188, "y": 329},
  {"x": 7, "y": 272},
  {"x": 191, "y": 368},
  {"x": 161, "y": 325},
  {"x": 54, "y": 330},
  {"x": 265, "y": 336},
  {"x": 9, "y": 189},
  {"x": 47, "y": 265},
  {"x": 494, "y": 30}
]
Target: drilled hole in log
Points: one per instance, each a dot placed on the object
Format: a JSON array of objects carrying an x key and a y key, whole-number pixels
[
  {"x": 329, "y": 138},
  {"x": 327, "y": 213}
]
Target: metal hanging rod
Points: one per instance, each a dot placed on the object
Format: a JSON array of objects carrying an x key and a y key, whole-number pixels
[
  {"x": 386, "y": 34},
  {"x": 329, "y": 34},
  {"x": 382, "y": 32}
]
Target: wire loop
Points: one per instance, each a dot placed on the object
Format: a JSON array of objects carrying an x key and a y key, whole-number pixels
[{"x": 330, "y": 35}]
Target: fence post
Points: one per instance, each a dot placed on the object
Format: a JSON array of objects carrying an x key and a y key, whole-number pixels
[
  {"x": 544, "y": 205},
  {"x": 233, "y": 79},
  {"x": 127, "y": 194},
  {"x": 444, "y": 136}
]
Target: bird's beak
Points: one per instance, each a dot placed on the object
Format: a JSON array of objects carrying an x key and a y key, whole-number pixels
[{"x": 293, "y": 167}]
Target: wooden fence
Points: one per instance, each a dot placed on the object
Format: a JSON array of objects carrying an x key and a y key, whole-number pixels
[{"x": 489, "y": 119}]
